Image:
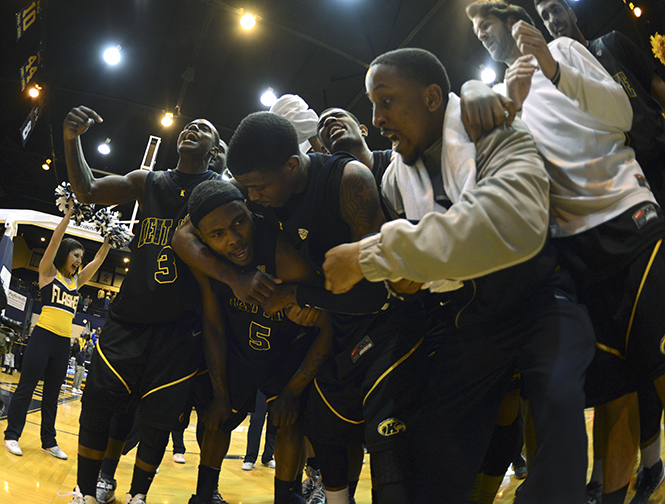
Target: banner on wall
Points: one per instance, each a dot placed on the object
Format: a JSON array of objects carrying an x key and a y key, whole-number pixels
[
  {"x": 29, "y": 123},
  {"x": 26, "y": 17},
  {"x": 16, "y": 300},
  {"x": 31, "y": 65}
]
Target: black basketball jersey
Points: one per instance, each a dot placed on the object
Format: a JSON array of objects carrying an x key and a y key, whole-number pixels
[
  {"x": 255, "y": 335},
  {"x": 159, "y": 286},
  {"x": 313, "y": 222},
  {"x": 382, "y": 159},
  {"x": 628, "y": 65}
]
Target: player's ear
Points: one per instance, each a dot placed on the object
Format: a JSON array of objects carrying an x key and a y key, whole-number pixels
[
  {"x": 433, "y": 97},
  {"x": 363, "y": 130},
  {"x": 292, "y": 165}
]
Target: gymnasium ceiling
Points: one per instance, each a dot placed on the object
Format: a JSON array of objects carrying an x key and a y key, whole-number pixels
[{"x": 318, "y": 49}]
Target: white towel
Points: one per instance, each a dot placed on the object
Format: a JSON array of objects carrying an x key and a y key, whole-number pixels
[
  {"x": 296, "y": 110},
  {"x": 458, "y": 170}
]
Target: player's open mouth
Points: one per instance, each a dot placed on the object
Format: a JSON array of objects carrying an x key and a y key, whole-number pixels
[
  {"x": 335, "y": 131},
  {"x": 191, "y": 136},
  {"x": 240, "y": 254}
]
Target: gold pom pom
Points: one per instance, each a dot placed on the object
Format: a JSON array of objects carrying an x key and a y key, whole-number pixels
[{"x": 658, "y": 47}]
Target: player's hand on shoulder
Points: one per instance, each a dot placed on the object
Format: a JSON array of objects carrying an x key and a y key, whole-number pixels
[
  {"x": 303, "y": 316},
  {"x": 78, "y": 120},
  {"x": 254, "y": 287},
  {"x": 285, "y": 408},
  {"x": 483, "y": 109},
  {"x": 218, "y": 412}
]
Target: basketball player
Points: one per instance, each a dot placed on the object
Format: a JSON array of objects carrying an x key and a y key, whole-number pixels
[
  {"x": 340, "y": 130},
  {"x": 247, "y": 348},
  {"x": 483, "y": 211},
  {"x": 150, "y": 346}
]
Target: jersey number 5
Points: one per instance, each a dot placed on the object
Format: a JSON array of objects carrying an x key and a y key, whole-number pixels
[
  {"x": 258, "y": 337},
  {"x": 167, "y": 272}
]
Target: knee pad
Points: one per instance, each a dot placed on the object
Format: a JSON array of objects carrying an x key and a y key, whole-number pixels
[
  {"x": 121, "y": 426},
  {"x": 94, "y": 427},
  {"x": 153, "y": 444},
  {"x": 391, "y": 466}
]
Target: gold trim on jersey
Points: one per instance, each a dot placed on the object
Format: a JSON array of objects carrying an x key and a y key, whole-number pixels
[
  {"x": 475, "y": 290},
  {"x": 391, "y": 368},
  {"x": 166, "y": 385},
  {"x": 639, "y": 291},
  {"x": 614, "y": 351},
  {"x": 99, "y": 349},
  {"x": 333, "y": 409}
]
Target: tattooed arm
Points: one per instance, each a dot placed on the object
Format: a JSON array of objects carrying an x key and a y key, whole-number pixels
[
  {"x": 359, "y": 201},
  {"x": 361, "y": 210}
]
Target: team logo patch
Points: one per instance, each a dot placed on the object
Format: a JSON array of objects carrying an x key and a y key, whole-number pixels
[
  {"x": 642, "y": 182},
  {"x": 662, "y": 345},
  {"x": 261, "y": 268},
  {"x": 303, "y": 233},
  {"x": 644, "y": 215},
  {"x": 362, "y": 347},
  {"x": 391, "y": 426}
]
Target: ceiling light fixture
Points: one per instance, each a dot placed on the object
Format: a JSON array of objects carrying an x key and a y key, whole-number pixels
[
  {"x": 248, "y": 21},
  {"x": 268, "y": 97},
  {"x": 34, "y": 91},
  {"x": 47, "y": 165},
  {"x": 104, "y": 148},
  {"x": 112, "y": 55},
  {"x": 167, "y": 120},
  {"x": 637, "y": 11},
  {"x": 487, "y": 75}
]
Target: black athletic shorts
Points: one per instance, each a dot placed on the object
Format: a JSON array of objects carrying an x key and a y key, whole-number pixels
[
  {"x": 629, "y": 320},
  {"x": 373, "y": 400},
  {"x": 245, "y": 377},
  {"x": 150, "y": 364}
]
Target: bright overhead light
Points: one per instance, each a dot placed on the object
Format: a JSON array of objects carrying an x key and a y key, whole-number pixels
[
  {"x": 167, "y": 120},
  {"x": 637, "y": 11},
  {"x": 47, "y": 165},
  {"x": 104, "y": 148},
  {"x": 268, "y": 97},
  {"x": 488, "y": 75},
  {"x": 248, "y": 21},
  {"x": 34, "y": 91},
  {"x": 112, "y": 55}
]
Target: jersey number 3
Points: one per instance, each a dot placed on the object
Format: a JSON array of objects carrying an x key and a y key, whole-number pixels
[
  {"x": 258, "y": 337},
  {"x": 166, "y": 267}
]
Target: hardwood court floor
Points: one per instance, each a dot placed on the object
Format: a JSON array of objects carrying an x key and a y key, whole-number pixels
[{"x": 36, "y": 477}]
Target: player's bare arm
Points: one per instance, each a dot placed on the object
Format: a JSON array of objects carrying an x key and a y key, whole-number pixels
[
  {"x": 361, "y": 209},
  {"x": 292, "y": 269},
  {"x": 359, "y": 200},
  {"x": 214, "y": 334},
  {"x": 109, "y": 190},
  {"x": 252, "y": 287},
  {"x": 285, "y": 409}
]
